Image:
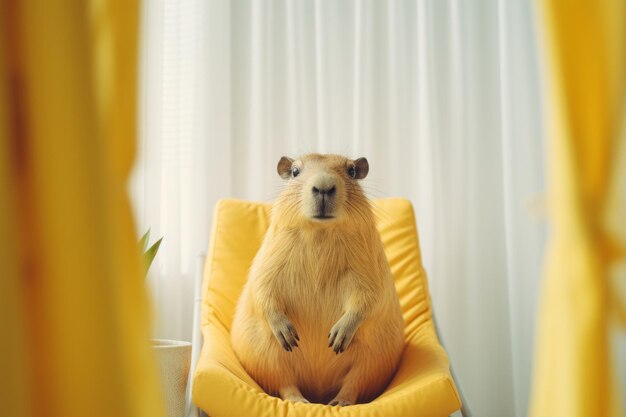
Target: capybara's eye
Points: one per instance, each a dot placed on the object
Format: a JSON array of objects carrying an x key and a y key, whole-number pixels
[
  {"x": 295, "y": 171},
  {"x": 352, "y": 172}
]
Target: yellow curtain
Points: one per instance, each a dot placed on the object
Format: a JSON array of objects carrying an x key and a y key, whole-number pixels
[
  {"x": 586, "y": 41},
  {"x": 73, "y": 311}
]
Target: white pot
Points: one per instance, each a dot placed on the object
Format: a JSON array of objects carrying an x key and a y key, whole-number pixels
[{"x": 174, "y": 359}]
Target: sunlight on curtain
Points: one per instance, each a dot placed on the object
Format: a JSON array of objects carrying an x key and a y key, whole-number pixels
[
  {"x": 441, "y": 96},
  {"x": 72, "y": 300},
  {"x": 574, "y": 368}
]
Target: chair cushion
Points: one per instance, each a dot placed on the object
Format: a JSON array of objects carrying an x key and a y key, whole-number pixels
[{"x": 422, "y": 385}]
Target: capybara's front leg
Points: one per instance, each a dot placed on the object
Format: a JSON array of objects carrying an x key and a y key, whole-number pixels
[
  {"x": 283, "y": 330},
  {"x": 342, "y": 333}
]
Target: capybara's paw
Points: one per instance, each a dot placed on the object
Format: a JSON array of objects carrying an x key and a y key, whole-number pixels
[
  {"x": 292, "y": 393},
  {"x": 340, "y": 402},
  {"x": 285, "y": 332},
  {"x": 341, "y": 334},
  {"x": 299, "y": 399}
]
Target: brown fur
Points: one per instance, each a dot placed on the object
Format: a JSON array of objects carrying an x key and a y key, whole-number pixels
[{"x": 320, "y": 282}]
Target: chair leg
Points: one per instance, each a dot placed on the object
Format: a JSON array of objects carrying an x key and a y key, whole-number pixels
[
  {"x": 465, "y": 410},
  {"x": 196, "y": 342}
]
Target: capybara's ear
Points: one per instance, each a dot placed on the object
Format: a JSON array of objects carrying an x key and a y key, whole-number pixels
[
  {"x": 362, "y": 168},
  {"x": 284, "y": 167}
]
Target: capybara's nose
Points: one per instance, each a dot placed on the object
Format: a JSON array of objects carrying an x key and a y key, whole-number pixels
[{"x": 324, "y": 191}]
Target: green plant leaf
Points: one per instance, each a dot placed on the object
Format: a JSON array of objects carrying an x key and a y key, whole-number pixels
[
  {"x": 143, "y": 243},
  {"x": 149, "y": 255}
]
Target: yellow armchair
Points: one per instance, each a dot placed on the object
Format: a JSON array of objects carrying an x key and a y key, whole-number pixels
[{"x": 423, "y": 385}]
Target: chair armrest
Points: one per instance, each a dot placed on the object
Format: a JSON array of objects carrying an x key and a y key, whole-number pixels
[
  {"x": 217, "y": 354},
  {"x": 424, "y": 363}
]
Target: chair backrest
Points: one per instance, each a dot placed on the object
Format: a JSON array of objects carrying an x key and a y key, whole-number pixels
[{"x": 238, "y": 230}]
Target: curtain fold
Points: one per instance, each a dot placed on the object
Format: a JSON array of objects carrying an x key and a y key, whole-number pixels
[
  {"x": 73, "y": 300},
  {"x": 574, "y": 368}
]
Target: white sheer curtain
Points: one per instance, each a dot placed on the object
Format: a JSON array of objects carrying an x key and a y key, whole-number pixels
[{"x": 441, "y": 96}]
